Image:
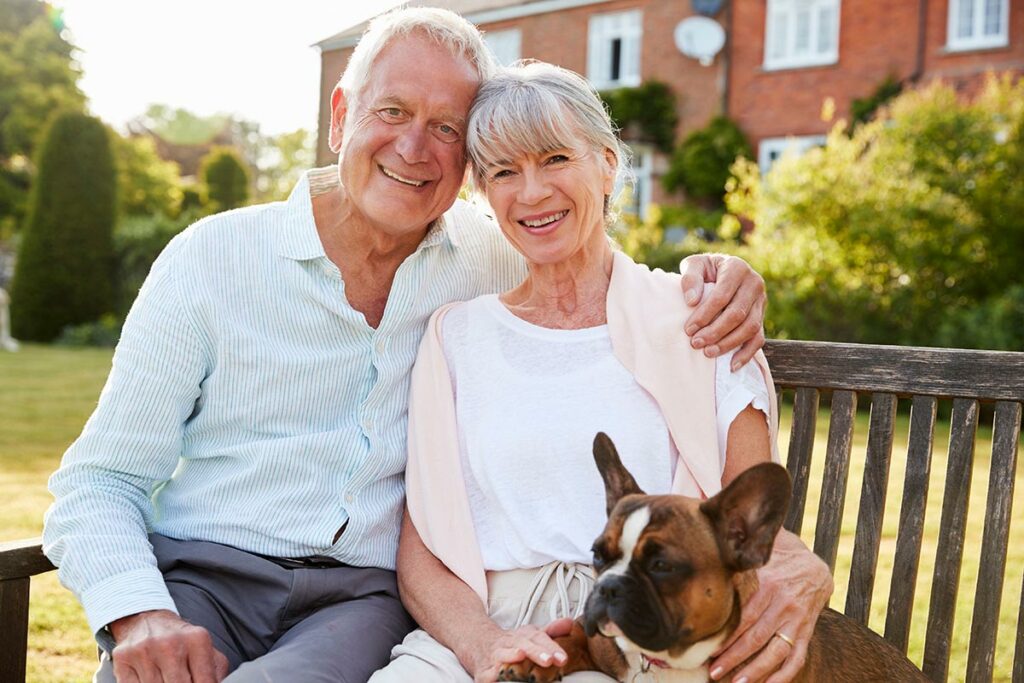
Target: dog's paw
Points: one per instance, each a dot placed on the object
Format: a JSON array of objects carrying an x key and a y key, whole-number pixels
[{"x": 530, "y": 672}]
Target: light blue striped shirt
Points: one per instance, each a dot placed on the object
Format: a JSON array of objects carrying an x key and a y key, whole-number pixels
[{"x": 250, "y": 405}]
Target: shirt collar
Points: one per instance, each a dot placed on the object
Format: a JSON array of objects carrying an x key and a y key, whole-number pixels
[
  {"x": 299, "y": 240},
  {"x": 297, "y": 237}
]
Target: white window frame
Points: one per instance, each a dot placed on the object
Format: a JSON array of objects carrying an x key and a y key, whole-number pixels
[
  {"x": 603, "y": 31},
  {"x": 770, "y": 150},
  {"x": 780, "y": 48},
  {"x": 978, "y": 40},
  {"x": 641, "y": 180},
  {"x": 505, "y": 45}
]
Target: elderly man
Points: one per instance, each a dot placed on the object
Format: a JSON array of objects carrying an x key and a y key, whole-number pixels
[{"x": 232, "y": 507}]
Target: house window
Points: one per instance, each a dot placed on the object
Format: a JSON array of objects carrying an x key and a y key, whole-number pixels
[
  {"x": 771, "y": 149},
  {"x": 975, "y": 24},
  {"x": 640, "y": 185},
  {"x": 801, "y": 33},
  {"x": 613, "y": 50},
  {"x": 504, "y": 45}
]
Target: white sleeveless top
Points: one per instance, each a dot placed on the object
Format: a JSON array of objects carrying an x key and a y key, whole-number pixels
[{"x": 528, "y": 402}]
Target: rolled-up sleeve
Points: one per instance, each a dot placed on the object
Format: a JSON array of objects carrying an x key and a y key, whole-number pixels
[{"x": 96, "y": 531}]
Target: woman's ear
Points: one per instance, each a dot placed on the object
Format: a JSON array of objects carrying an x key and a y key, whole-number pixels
[{"x": 611, "y": 166}]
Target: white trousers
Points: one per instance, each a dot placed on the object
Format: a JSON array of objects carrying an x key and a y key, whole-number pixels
[{"x": 515, "y": 597}]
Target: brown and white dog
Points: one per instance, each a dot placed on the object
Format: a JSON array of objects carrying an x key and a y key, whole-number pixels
[{"x": 673, "y": 573}]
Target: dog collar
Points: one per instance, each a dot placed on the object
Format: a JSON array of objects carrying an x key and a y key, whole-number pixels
[{"x": 649, "y": 662}]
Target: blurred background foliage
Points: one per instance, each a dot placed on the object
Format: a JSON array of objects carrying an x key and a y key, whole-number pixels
[{"x": 905, "y": 229}]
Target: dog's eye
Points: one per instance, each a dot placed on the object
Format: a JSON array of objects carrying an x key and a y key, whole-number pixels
[{"x": 661, "y": 567}]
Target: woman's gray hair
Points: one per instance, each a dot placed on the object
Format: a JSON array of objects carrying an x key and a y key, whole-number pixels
[
  {"x": 532, "y": 108},
  {"x": 458, "y": 36}
]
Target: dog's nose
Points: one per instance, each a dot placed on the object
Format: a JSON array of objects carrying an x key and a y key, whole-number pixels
[{"x": 609, "y": 588}]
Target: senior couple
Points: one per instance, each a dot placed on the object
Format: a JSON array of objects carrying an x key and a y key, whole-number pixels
[{"x": 232, "y": 509}]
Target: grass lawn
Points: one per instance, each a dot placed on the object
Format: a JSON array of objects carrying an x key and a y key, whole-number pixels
[{"x": 48, "y": 393}]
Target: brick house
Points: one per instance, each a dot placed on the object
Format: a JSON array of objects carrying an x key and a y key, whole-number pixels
[
  {"x": 781, "y": 60},
  {"x": 788, "y": 56}
]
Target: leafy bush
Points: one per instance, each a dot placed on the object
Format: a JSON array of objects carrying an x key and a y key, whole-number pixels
[
  {"x": 104, "y": 332},
  {"x": 137, "y": 242},
  {"x": 225, "y": 179},
  {"x": 65, "y": 272},
  {"x": 700, "y": 165},
  {"x": 146, "y": 183},
  {"x": 905, "y": 231},
  {"x": 862, "y": 109},
  {"x": 646, "y": 113}
]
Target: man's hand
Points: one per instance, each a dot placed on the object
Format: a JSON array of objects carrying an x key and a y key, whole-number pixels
[
  {"x": 525, "y": 642},
  {"x": 732, "y": 314},
  {"x": 794, "y": 587},
  {"x": 161, "y": 647}
]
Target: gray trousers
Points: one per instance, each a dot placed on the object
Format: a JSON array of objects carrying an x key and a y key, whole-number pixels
[{"x": 282, "y": 625}]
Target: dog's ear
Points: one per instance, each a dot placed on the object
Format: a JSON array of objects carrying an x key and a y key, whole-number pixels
[
  {"x": 618, "y": 482},
  {"x": 748, "y": 514}
]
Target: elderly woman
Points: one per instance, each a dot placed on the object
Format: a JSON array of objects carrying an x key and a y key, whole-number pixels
[{"x": 504, "y": 500}]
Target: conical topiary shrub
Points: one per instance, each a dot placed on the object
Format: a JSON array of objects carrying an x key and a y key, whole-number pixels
[{"x": 65, "y": 268}]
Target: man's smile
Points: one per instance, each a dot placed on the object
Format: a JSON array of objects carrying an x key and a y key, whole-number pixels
[{"x": 400, "y": 178}]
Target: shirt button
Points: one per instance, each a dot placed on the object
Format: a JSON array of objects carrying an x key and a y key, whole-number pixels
[
  {"x": 350, "y": 498},
  {"x": 367, "y": 424}
]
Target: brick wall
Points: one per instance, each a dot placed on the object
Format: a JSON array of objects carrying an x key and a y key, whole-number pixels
[{"x": 877, "y": 38}]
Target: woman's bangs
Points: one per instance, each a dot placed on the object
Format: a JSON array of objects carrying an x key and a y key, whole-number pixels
[{"x": 520, "y": 126}]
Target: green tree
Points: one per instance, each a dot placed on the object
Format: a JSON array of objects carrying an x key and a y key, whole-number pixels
[
  {"x": 225, "y": 179},
  {"x": 700, "y": 165},
  {"x": 284, "y": 160},
  {"x": 147, "y": 185},
  {"x": 38, "y": 76},
  {"x": 65, "y": 270}
]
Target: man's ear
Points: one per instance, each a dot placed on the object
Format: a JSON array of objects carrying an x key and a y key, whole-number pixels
[
  {"x": 748, "y": 514},
  {"x": 618, "y": 482},
  {"x": 339, "y": 107}
]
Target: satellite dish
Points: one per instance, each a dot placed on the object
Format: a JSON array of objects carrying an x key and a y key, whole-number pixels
[{"x": 700, "y": 38}]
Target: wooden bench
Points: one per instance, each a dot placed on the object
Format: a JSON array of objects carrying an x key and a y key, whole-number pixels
[{"x": 845, "y": 373}]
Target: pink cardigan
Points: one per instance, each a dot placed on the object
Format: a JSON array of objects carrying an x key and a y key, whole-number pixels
[{"x": 646, "y": 312}]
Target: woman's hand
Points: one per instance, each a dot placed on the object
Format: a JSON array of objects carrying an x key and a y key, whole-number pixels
[
  {"x": 794, "y": 587},
  {"x": 525, "y": 642},
  {"x": 731, "y": 316}
]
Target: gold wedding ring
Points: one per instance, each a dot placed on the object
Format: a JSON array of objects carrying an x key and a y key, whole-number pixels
[{"x": 784, "y": 638}]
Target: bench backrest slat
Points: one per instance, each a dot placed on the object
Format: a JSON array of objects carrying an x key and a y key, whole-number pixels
[
  {"x": 798, "y": 461},
  {"x": 949, "y": 553},
  {"x": 837, "y": 471},
  {"x": 911, "y": 530},
  {"x": 1002, "y": 471},
  {"x": 904, "y": 370},
  {"x": 868, "y": 535},
  {"x": 1018, "y": 653}
]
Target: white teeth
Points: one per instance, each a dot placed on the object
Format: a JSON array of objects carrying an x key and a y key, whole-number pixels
[
  {"x": 407, "y": 181},
  {"x": 545, "y": 221}
]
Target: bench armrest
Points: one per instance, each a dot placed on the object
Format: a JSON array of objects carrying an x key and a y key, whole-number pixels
[{"x": 21, "y": 559}]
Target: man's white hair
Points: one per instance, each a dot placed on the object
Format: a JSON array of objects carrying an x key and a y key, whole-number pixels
[{"x": 446, "y": 28}]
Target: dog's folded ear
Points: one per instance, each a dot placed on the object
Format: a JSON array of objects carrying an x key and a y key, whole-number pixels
[
  {"x": 748, "y": 514},
  {"x": 618, "y": 482}
]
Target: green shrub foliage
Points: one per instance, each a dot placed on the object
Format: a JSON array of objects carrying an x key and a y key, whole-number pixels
[
  {"x": 907, "y": 230},
  {"x": 138, "y": 240},
  {"x": 225, "y": 179},
  {"x": 700, "y": 165},
  {"x": 65, "y": 269},
  {"x": 646, "y": 113}
]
